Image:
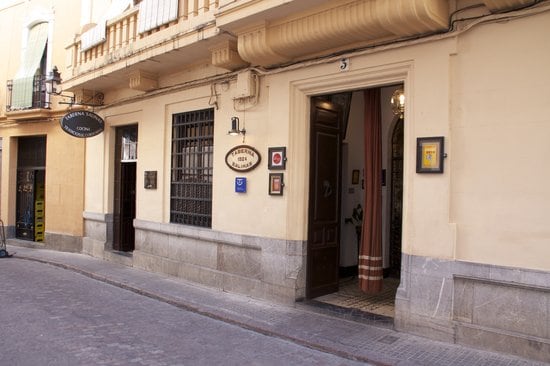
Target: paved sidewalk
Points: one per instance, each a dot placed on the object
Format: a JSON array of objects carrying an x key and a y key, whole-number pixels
[{"x": 301, "y": 324}]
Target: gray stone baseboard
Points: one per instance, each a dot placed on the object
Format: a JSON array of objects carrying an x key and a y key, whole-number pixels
[
  {"x": 492, "y": 307},
  {"x": 266, "y": 268},
  {"x": 63, "y": 242}
]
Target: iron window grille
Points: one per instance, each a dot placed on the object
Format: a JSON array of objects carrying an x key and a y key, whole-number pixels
[{"x": 192, "y": 166}]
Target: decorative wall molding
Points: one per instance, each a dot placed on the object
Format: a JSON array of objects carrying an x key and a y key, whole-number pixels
[
  {"x": 498, "y": 5},
  {"x": 142, "y": 80},
  {"x": 225, "y": 55},
  {"x": 339, "y": 26}
]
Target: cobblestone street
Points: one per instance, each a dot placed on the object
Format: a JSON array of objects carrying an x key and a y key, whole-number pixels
[{"x": 52, "y": 316}]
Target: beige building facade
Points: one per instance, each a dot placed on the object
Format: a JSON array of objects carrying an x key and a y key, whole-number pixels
[
  {"x": 269, "y": 212},
  {"x": 42, "y": 167}
]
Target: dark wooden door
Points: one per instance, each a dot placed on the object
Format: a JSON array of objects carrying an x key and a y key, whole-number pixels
[
  {"x": 323, "y": 247},
  {"x": 125, "y": 188},
  {"x": 127, "y": 206}
]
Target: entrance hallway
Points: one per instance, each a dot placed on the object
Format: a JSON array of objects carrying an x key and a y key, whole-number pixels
[
  {"x": 351, "y": 299},
  {"x": 298, "y": 324}
]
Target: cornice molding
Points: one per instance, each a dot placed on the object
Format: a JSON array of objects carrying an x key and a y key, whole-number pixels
[
  {"x": 323, "y": 29},
  {"x": 499, "y": 5}
]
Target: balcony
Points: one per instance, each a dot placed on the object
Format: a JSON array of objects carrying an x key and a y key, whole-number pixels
[
  {"x": 233, "y": 34},
  {"x": 38, "y": 105},
  {"x": 136, "y": 60}
]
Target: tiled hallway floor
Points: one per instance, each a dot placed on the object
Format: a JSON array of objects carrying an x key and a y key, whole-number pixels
[{"x": 350, "y": 296}]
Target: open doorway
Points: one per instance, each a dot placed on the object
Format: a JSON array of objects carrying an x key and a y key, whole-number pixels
[
  {"x": 337, "y": 202},
  {"x": 125, "y": 188},
  {"x": 31, "y": 182}
]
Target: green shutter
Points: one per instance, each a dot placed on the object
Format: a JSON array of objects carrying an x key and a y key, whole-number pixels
[{"x": 22, "y": 90}]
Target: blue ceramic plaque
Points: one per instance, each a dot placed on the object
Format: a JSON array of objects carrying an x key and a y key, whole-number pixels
[{"x": 240, "y": 184}]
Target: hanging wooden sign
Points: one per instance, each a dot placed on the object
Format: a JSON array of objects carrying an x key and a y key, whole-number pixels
[
  {"x": 243, "y": 158},
  {"x": 82, "y": 124}
]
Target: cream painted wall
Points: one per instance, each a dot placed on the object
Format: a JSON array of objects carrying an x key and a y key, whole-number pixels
[
  {"x": 94, "y": 173},
  {"x": 254, "y": 213},
  {"x": 64, "y": 182},
  {"x": 500, "y": 132}
]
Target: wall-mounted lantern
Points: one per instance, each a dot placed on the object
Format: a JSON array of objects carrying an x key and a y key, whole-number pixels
[
  {"x": 235, "y": 128},
  {"x": 53, "y": 81},
  {"x": 398, "y": 102}
]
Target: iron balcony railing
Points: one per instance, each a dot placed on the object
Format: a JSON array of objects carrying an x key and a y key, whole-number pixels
[{"x": 39, "y": 95}]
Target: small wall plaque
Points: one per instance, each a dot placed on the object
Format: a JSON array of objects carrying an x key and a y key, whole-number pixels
[
  {"x": 276, "y": 184},
  {"x": 430, "y": 154},
  {"x": 150, "y": 179},
  {"x": 243, "y": 158},
  {"x": 240, "y": 184},
  {"x": 277, "y": 158}
]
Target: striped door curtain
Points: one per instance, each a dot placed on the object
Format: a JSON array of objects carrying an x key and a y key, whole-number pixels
[{"x": 370, "y": 252}]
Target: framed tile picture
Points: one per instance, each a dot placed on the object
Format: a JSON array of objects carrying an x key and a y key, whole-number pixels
[
  {"x": 276, "y": 184},
  {"x": 429, "y": 154},
  {"x": 276, "y": 158}
]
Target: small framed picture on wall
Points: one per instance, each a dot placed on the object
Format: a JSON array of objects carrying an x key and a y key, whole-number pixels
[
  {"x": 276, "y": 158},
  {"x": 276, "y": 184},
  {"x": 429, "y": 154}
]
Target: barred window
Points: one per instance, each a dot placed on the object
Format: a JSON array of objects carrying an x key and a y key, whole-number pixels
[{"x": 192, "y": 163}]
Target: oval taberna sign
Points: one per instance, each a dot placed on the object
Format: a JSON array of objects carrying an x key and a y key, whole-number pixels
[
  {"x": 242, "y": 158},
  {"x": 82, "y": 124}
]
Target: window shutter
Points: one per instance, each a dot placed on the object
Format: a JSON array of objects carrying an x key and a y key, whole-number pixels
[
  {"x": 154, "y": 13},
  {"x": 22, "y": 89}
]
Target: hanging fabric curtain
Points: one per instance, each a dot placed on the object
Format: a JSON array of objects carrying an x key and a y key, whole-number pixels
[
  {"x": 23, "y": 83},
  {"x": 370, "y": 253},
  {"x": 154, "y": 13},
  {"x": 97, "y": 34}
]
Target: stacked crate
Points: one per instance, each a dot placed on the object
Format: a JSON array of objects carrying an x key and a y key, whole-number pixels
[{"x": 39, "y": 214}]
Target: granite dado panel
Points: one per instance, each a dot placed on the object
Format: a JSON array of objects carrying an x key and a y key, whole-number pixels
[
  {"x": 494, "y": 307},
  {"x": 63, "y": 243},
  {"x": 245, "y": 261},
  {"x": 502, "y": 305},
  {"x": 98, "y": 233},
  {"x": 260, "y": 267}
]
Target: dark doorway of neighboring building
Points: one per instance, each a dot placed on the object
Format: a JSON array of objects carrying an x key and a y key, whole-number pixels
[
  {"x": 125, "y": 188},
  {"x": 336, "y": 188},
  {"x": 30, "y": 195}
]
